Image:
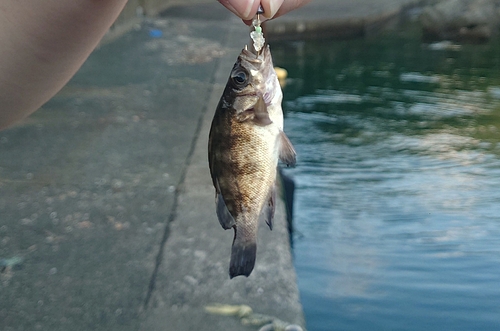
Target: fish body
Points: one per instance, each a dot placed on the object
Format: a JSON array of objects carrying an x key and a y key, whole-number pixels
[{"x": 246, "y": 140}]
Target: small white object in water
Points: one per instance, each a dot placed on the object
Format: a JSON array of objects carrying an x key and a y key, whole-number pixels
[{"x": 444, "y": 45}]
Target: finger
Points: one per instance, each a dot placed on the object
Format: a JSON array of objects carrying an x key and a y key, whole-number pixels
[
  {"x": 290, "y": 5},
  {"x": 229, "y": 6},
  {"x": 244, "y": 9},
  {"x": 271, "y": 7}
]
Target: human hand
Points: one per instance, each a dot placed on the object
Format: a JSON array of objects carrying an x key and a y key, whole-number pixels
[{"x": 246, "y": 9}]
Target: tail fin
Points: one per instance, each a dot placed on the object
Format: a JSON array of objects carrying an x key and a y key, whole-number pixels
[{"x": 242, "y": 256}]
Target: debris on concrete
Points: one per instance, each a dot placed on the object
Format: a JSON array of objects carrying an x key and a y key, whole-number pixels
[{"x": 249, "y": 318}]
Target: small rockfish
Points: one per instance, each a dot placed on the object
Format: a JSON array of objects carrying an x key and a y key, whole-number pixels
[{"x": 246, "y": 140}]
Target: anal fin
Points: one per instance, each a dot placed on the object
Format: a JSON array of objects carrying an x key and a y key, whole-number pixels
[
  {"x": 269, "y": 208},
  {"x": 226, "y": 220}
]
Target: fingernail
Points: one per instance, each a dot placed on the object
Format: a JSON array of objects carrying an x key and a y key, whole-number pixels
[
  {"x": 246, "y": 12},
  {"x": 242, "y": 9},
  {"x": 274, "y": 5}
]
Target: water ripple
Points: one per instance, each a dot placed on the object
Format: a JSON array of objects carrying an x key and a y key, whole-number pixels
[{"x": 398, "y": 180}]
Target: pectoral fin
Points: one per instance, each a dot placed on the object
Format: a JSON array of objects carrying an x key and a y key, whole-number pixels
[
  {"x": 287, "y": 152},
  {"x": 247, "y": 115},
  {"x": 258, "y": 114},
  {"x": 223, "y": 214},
  {"x": 261, "y": 114}
]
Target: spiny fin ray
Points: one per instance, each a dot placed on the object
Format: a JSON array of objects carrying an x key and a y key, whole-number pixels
[
  {"x": 269, "y": 208},
  {"x": 287, "y": 152}
]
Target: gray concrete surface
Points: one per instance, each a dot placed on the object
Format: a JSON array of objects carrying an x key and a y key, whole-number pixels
[
  {"x": 135, "y": 10},
  {"x": 107, "y": 218},
  {"x": 113, "y": 168}
]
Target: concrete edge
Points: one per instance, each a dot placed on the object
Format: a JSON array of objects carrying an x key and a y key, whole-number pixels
[{"x": 335, "y": 28}]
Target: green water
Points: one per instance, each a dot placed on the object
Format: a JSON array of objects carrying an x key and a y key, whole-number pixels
[{"x": 397, "y": 207}]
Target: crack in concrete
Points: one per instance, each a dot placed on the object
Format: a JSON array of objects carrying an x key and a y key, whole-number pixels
[{"x": 173, "y": 214}]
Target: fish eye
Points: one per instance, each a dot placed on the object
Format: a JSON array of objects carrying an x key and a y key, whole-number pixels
[{"x": 239, "y": 78}]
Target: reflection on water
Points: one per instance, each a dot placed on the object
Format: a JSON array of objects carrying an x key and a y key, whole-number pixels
[{"x": 397, "y": 210}]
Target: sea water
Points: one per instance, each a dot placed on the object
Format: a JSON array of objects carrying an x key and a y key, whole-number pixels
[{"x": 397, "y": 201}]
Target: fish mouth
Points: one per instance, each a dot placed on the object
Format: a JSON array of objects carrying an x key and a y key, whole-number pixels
[
  {"x": 263, "y": 64},
  {"x": 261, "y": 58}
]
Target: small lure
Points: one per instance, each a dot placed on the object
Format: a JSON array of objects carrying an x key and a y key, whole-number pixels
[{"x": 257, "y": 35}]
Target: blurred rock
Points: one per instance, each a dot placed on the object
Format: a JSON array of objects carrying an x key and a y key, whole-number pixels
[{"x": 463, "y": 20}]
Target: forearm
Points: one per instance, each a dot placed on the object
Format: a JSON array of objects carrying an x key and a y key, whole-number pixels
[{"x": 42, "y": 44}]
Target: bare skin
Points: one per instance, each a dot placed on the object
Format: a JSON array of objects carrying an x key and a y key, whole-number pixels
[
  {"x": 272, "y": 8},
  {"x": 44, "y": 43}
]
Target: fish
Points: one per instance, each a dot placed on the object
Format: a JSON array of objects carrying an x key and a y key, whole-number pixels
[{"x": 246, "y": 141}]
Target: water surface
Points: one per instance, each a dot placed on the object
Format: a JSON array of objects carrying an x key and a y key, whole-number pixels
[{"x": 397, "y": 209}]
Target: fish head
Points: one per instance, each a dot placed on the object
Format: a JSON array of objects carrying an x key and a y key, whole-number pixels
[{"x": 253, "y": 79}]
